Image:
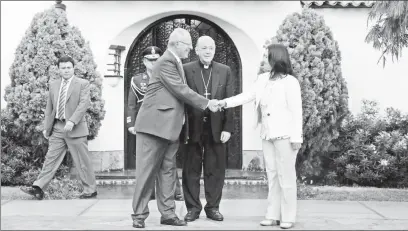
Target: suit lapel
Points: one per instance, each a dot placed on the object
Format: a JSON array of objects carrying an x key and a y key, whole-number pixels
[
  {"x": 215, "y": 79},
  {"x": 198, "y": 78},
  {"x": 181, "y": 70},
  {"x": 57, "y": 87},
  {"x": 71, "y": 88}
]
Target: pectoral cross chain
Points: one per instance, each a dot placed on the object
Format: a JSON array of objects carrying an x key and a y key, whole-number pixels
[{"x": 206, "y": 94}]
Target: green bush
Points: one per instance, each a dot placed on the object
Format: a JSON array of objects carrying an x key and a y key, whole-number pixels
[
  {"x": 20, "y": 162},
  {"x": 372, "y": 149},
  {"x": 305, "y": 192},
  {"x": 63, "y": 188},
  {"x": 316, "y": 61},
  {"x": 255, "y": 165},
  {"x": 48, "y": 38}
]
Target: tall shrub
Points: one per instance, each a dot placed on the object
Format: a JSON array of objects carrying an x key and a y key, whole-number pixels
[
  {"x": 48, "y": 37},
  {"x": 316, "y": 60},
  {"x": 372, "y": 149}
]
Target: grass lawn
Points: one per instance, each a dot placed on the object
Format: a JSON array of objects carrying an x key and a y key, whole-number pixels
[
  {"x": 13, "y": 193},
  {"x": 356, "y": 193},
  {"x": 333, "y": 193}
]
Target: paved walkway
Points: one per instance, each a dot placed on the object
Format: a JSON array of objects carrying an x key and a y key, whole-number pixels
[{"x": 113, "y": 214}]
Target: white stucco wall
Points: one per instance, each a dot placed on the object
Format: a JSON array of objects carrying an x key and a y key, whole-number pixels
[
  {"x": 365, "y": 78},
  {"x": 103, "y": 23}
]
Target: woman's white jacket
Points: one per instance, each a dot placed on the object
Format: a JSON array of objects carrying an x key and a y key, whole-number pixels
[{"x": 284, "y": 106}]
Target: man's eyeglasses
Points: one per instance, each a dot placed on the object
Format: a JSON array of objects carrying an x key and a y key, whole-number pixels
[{"x": 151, "y": 60}]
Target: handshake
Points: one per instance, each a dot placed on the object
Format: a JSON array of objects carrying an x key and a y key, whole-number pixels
[{"x": 216, "y": 105}]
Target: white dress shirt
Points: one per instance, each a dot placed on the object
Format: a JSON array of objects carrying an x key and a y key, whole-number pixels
[{"x": 66, "y": 92}]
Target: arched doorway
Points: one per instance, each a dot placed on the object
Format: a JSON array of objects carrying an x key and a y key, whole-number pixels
[{"x": 157, "y": 34}]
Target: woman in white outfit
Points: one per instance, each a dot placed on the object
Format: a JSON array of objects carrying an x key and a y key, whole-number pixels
[{"x": 278, "y": 104}]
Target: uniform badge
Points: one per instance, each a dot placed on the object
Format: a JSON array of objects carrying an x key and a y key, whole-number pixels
[
  {"x": 143, "y": 86},
  {"x": 153, "y": 51},
  {"x": 144, "y": 77},
  {"x": 128, "y": 119}
]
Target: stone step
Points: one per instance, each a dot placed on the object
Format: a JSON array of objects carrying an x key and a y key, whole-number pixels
[
  {"x": 230, "y": 174},
  {"x": 120, "y": 182}
]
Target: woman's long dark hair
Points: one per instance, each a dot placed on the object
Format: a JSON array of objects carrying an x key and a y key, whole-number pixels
[{"x": 279, "y": 59}]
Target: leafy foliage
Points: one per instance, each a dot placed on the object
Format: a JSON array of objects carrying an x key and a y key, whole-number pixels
[
  {"x": 389, "y": 34},
  {"x": 372, "y": 149},
  {"x": 62, "y": 187}
]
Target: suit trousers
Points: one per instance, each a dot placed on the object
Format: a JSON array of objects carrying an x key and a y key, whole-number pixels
[
  {"x": 155, "y": 160},
  {"x": 57, "y": 148},
  {"x": 178, "y": 187},
  {"x": 210, "y": 156},
  {"x": 280, "y": 160},
  {"x": 178, "y": 184}
]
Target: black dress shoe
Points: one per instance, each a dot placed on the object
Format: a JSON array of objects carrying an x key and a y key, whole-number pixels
[
  {"x": 88, "y": 195},
  {"x": 35, "y": 191},
  {"x": 179, "y": 197},
  {"x": 175, "y": 221},
  {"x": 191, "y": 216},
  {"x": 214, "y": 215},
  {"x": 138, "y": 223}
]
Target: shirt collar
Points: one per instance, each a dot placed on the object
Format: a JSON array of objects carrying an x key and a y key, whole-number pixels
[
  {"x": 69, "y": 80},
  {"x": 202, "y": 65}
]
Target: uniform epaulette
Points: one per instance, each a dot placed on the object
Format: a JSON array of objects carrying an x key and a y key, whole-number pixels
[{"x": 139, "y": 85}]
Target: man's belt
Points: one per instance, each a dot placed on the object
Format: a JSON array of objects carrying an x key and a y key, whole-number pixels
[{"x": 60, "y": 120}]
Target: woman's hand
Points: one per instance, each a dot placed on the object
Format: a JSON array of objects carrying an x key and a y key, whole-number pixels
[
  {"x": 296, "y": 146},
  {"x": 222, "y": 103}
]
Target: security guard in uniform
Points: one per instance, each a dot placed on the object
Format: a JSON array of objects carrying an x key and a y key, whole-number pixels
[{"x": 137, "y": 91}]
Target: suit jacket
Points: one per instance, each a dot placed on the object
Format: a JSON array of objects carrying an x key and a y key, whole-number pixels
[
  {"x": 222, "y": 87},
  {"x": 77, "y": 102},
  {"x": 162, "y": 110}
]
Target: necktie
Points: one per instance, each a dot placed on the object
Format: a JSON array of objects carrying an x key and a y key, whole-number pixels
[{"x": 61, "y": 100}]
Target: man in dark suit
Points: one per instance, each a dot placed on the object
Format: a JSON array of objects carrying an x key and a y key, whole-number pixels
[
  {"x": 158, "y": 126},
  {"x": 66, "y": 128},
  {"x": 208, "y": 133},
  {"x": 137, "y": 92}
]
